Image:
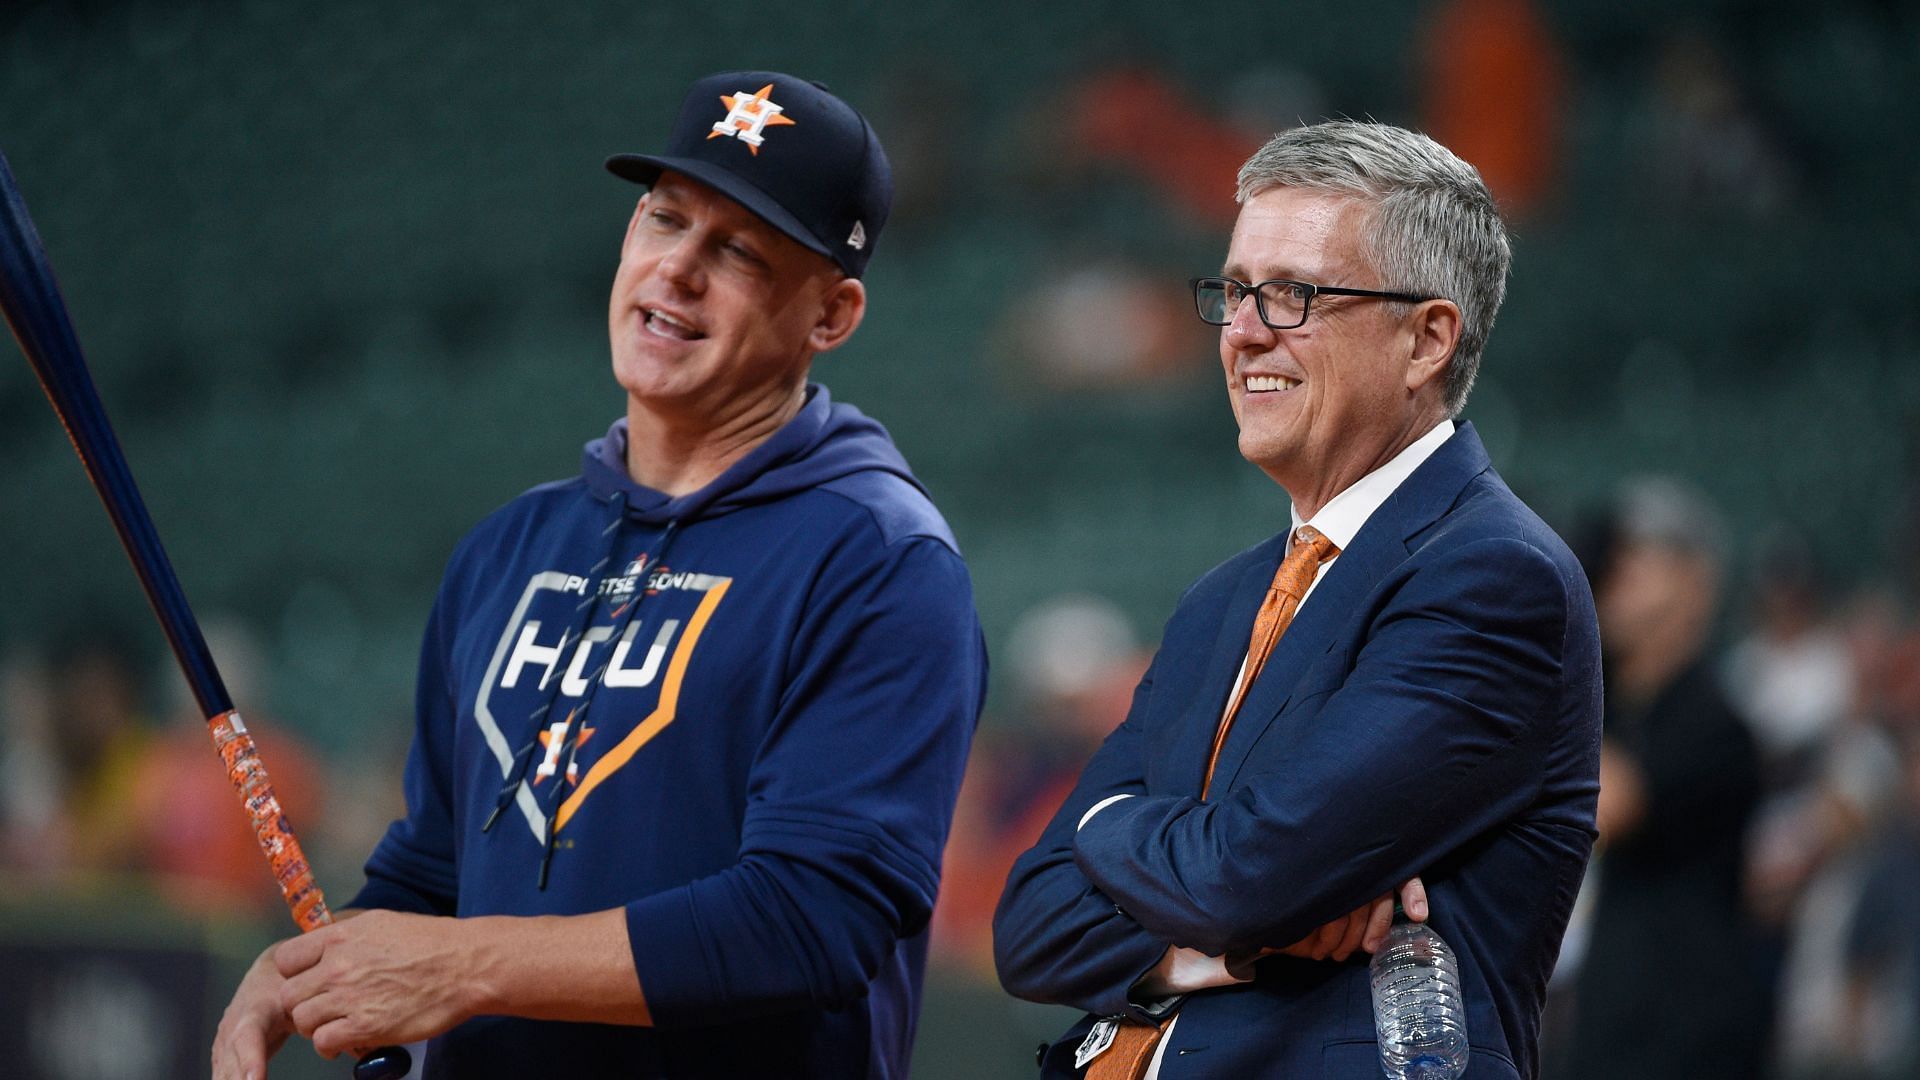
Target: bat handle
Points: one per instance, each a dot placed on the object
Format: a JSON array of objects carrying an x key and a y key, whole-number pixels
[
  {"x": 386, "y": 1063},
  {"x": 289, "y": 863}
]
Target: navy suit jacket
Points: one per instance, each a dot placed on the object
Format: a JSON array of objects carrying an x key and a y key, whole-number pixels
[{"x": 1433, "y": 710}]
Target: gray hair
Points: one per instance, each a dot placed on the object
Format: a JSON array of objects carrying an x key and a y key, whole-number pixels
[{"x": 1432, "y": 229}]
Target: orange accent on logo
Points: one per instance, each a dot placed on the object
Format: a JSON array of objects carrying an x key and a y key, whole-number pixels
[
  {"x": 747, "y": 114},
  {"x": 573, "y": 770},
  {"x": 661, "y": 716}
]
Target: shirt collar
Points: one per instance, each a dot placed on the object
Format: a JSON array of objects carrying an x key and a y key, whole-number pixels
[{"x": 1340, "y": 520}]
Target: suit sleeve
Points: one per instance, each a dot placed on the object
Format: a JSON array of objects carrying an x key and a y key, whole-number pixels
[
  {"x": 848, "y": 806},
  {"x": 1437, "y": 735},
  {"x": 1057, "y": 937}
]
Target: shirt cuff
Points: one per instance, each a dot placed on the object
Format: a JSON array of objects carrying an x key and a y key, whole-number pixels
[
  {"x": 1184, "y": 971},
  {"x": 1099, "y": 806}
]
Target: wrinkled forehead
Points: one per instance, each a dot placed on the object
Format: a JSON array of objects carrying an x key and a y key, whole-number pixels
[{"x": 1288, "y": 232}]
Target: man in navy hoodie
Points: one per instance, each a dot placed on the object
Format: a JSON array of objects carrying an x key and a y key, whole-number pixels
[{"x": 690, "y": 725}]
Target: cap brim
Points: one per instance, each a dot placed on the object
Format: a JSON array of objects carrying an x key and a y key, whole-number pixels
[{"x": 646, "y": 169}]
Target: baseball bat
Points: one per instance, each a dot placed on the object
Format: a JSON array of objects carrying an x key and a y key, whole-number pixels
[{"x": 30, "y": 299}]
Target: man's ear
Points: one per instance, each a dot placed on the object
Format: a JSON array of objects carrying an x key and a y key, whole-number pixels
[
  {"x": 840, "y": 313},
  {"x": 1435, "y": 326}
]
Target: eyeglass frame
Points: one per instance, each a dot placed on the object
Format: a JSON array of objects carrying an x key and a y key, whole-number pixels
[{"x": 1306, "y": 305}]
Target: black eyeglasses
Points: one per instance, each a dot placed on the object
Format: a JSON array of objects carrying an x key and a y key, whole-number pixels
[{"x": 1282, "y": 304}]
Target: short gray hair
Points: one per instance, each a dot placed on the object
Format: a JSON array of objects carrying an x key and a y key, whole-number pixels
[{"x": 1432, "y": 228}]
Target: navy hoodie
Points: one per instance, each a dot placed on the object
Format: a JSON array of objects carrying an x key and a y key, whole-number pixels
[{"x": 744, "y": 712}]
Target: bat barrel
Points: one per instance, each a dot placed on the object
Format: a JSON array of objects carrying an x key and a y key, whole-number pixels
[{"x": 31, "y": 300}]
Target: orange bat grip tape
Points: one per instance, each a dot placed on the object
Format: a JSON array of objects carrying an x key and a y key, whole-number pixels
[{"x": 270, "y": 825}]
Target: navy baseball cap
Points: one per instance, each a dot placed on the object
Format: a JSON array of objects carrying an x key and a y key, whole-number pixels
[{"x": 786, "y": 149}]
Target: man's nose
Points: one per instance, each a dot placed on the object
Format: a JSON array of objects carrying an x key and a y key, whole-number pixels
[
  {"x": 682, "y": 264},
  {"x": 1247, "y": 331}
]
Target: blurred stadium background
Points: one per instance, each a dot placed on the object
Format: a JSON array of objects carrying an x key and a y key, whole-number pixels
[{"x": 341, "y": 272}]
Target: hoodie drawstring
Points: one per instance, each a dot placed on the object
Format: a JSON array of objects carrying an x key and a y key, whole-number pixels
[
  {"x": 578, "y": 717},
  {"x": 523, "y": 758}
]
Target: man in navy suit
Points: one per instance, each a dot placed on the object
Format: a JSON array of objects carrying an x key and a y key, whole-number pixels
[{"x": 1431, "y": 710}]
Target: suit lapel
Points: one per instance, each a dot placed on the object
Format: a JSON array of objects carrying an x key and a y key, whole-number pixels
[
  {"x": 1194, "y": 731},
  {"x": 1380, "y": 546}
]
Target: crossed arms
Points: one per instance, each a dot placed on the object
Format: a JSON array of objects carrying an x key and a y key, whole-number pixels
[{"x": 1436, "y": 735}]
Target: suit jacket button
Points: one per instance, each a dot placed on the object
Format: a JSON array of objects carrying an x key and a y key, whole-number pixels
[{"x": 1040, "y": 1054}]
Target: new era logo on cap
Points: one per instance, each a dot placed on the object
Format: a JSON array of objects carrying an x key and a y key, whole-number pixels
[{"x": 826, "y": 184}]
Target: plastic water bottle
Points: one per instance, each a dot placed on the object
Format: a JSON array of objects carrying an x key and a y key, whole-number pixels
[{"x": 1418, "y": 1011}]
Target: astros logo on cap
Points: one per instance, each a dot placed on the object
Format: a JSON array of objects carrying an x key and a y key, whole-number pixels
[{"x": 747, "y": 116}]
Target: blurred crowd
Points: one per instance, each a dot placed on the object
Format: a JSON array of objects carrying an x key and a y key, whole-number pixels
[{"x": 109, "y": 782}]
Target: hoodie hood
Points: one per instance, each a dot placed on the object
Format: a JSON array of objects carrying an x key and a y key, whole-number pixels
[{"x": 825, "y": 441}]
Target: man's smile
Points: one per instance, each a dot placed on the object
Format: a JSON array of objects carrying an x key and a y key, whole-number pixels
[
  {"x": 1261, "y": 384},
  {"x": 661, "y": 324}
]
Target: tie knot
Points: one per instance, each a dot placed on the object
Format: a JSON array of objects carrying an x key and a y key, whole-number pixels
[{"x": 1311, "y": 539}]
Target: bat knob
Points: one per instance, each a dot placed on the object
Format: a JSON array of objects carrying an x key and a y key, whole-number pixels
[{"x": 386, "y": 1063}]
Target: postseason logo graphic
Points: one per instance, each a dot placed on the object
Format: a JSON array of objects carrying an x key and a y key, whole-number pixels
[
  {"x": 620, "y": 588},
  {"x": 538, "y": 646}
]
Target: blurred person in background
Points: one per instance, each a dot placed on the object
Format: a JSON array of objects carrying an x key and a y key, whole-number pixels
[
  {"x": 1879, "y": 1034},
  {"x": 100, "y": 738},
  {"x": 1493, "y": 89},
  {"x": 33, "y": 832},
  {"x": 1840, "y": 857},
  {"x": 1153, "y": 131},
  {"x": 1097, "y": 323},
  {"x": 1703, "y": 141},
  {"x": 1830, "y": 776},
  {"x": 1074, "y": 661},
  {"x": 1674, "y": 983},
  {"x": 1791, "y": 676}
]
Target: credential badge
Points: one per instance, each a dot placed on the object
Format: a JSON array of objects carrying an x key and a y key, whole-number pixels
[{"x": 1096, "y": 1042}]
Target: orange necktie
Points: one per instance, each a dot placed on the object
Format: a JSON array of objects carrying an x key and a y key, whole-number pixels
[
  {"x": 1133, "y": 1044},
  {"x": 1309, "y": 552}
]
